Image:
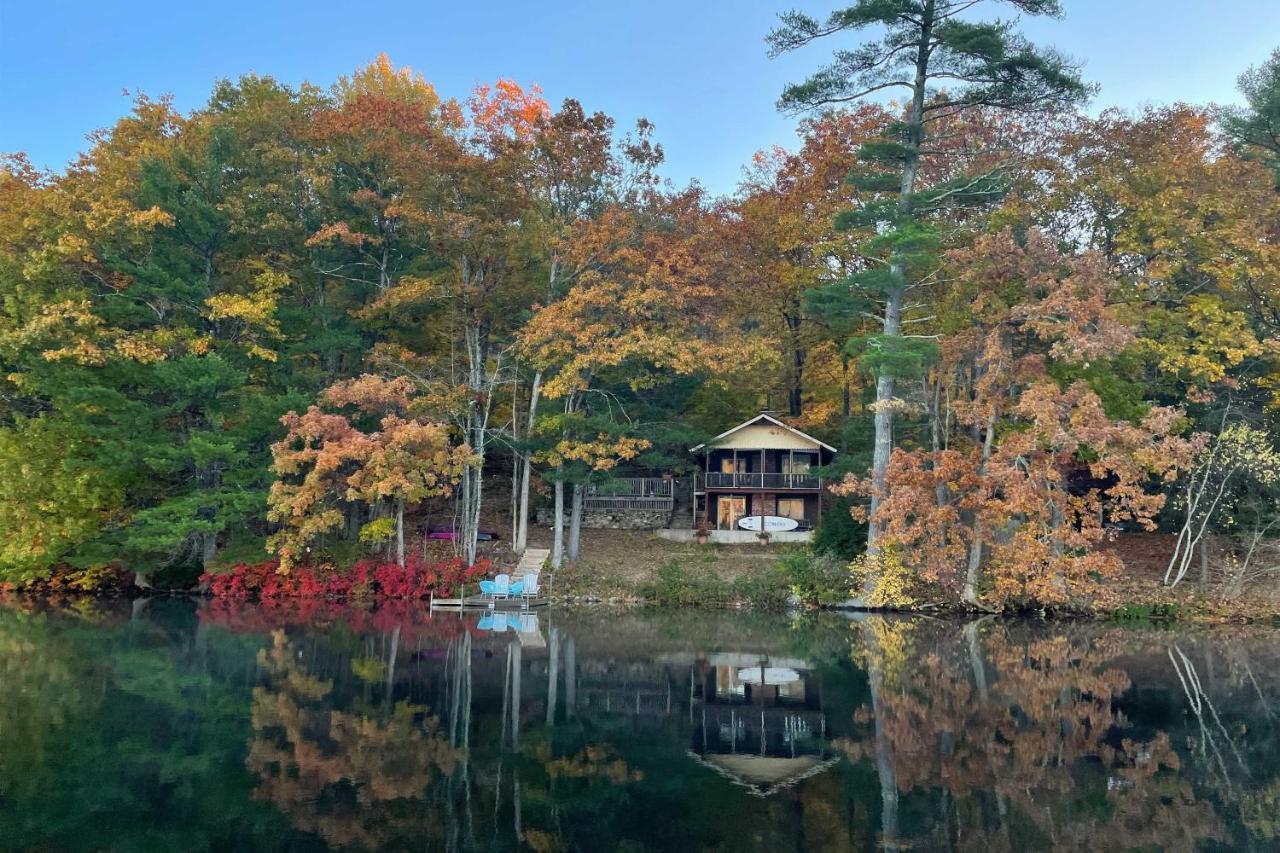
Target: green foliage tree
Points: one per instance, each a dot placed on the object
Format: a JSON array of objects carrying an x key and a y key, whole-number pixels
[{"x": 1256, "y": 126}]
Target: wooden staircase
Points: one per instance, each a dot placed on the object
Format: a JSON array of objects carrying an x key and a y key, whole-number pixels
[{"x": 531, "y": 561}]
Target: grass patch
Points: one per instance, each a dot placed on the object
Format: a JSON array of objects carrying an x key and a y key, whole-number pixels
[
  {"x": 675, "y": 586},
  {"x": 584, "y": 578}
]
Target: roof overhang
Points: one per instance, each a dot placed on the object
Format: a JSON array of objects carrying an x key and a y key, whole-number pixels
[{"x": 757, "y": 419}]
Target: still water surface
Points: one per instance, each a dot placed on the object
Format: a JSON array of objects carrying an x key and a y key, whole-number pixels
[{"x": 181, "y": 726}]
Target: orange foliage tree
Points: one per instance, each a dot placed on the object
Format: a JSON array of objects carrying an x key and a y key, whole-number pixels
[
  {"x": 326, "y": 462},
  {"x": 1012, "y": 505}
]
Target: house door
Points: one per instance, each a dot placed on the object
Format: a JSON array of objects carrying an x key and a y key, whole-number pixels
[{"x": 732, "y": 508}]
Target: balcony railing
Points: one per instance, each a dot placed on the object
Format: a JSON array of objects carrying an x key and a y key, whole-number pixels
[{"x": 760, "y": 480}]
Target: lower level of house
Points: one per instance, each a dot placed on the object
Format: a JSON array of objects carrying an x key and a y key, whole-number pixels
[{"x": 723, "y": 510}]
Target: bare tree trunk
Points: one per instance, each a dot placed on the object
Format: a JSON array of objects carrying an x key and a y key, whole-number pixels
[
  {"x": 557, "y": 525},
  {"x": 1204, "y": 564},
  {"x": 575, "y": 523},
  {"x": 209, "y": 549},
  {"x": 400, "y": 533},
  {"x": 516, "y": 457},
  {"x": 522, "y": 525},
  {"x": 480, "y": 382},
  {"x": 972, "y": 572},
  {"x": 882, "y": 445}
]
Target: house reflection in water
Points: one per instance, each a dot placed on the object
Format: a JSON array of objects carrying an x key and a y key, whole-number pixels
[
  {"x": 754, "y": 719},
  {"x": 759, "y": 721}
]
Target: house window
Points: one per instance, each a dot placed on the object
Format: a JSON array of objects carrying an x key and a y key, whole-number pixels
[
  {"x": 796, "y": 464},
  {"x": 791, "y": 508}
]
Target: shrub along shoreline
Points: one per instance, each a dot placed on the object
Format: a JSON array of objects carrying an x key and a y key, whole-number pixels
[{"x": 799, "y": 578}]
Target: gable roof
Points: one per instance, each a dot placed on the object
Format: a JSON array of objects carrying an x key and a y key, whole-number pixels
[{"x": 762, "y": 417}]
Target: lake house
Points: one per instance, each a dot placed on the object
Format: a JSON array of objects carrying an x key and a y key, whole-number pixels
[{"x": 760, "y": 468}]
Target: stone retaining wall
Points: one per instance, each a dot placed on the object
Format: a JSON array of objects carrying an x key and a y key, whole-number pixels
[{"x": 594, "y": 519}]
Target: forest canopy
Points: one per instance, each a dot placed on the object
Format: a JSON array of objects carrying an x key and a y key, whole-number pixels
[{"x": 301, "y": 315}]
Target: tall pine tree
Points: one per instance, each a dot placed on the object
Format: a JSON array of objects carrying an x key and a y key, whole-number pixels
[{"x": 946, "y": 63}]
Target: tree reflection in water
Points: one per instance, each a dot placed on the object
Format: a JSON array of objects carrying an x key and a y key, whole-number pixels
[{"x": 160, "y": 727}]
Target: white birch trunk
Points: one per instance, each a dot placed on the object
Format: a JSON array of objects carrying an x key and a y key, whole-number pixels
[
  {"x": 522, "y": 522},
  {"x": 575, "y": 523}
]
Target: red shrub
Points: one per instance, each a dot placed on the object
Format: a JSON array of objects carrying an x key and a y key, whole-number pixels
[{"x": 366, "y": 579}]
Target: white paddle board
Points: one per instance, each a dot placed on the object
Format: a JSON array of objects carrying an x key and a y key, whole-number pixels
[{"x": 768, "y": 523}]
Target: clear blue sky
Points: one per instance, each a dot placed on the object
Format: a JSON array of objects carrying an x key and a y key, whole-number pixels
[{"x": 697, "y": 68}]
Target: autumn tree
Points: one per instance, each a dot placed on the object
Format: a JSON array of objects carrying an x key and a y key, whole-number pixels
[
  {"x": 577, "y": 173},
  {"x": 1022, "y": 486},
  {"x": 326, "y": 461},
  {"x": 143, "y": 317},
  {"x": 643, "y": 309},
  {"x": 782, "y": 245}
]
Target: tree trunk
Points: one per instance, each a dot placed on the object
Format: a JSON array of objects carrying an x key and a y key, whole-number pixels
[
  {"x": 882, "y": 447},
  {"x": 575, "y": 523},
  {"x": 208, "y": 550},
  {"x": 1204, "y": 564},
  {"x": 969, "y": 595},
  {"x": 846, "y": 395},
  {"x": 557, "y": 526},
  {"x": 795, "y": 393},
  {"x": 400, "y": 534},
  {"x": 140, "y": 581},
  {"x": 522, "y": 524},
  {"x": 481, "y": 380}
]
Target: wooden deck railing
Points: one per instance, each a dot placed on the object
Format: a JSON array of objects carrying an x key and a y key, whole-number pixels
[{"x": 640, "y": 493}]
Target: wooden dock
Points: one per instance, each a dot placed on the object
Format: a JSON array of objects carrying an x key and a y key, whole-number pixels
[{"x": 480, "y": 602}]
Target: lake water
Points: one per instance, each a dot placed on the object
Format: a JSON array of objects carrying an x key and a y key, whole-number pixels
[{"x": 173, "y": 725}]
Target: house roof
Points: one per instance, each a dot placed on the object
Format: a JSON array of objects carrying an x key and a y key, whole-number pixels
[{"x": 762, "y": 417}]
